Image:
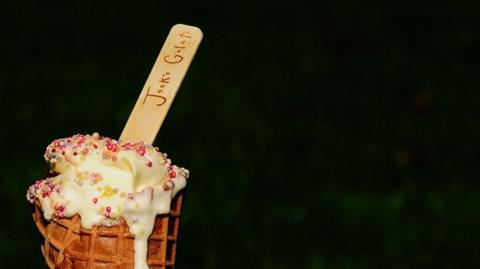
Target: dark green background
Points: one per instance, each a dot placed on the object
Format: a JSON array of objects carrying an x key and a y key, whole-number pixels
[{"x": 341, "y": 135}]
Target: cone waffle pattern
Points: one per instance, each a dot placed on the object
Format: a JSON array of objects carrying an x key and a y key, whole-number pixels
[{"x": 68, "y": 246}]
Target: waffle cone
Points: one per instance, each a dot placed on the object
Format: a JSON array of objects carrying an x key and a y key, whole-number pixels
[{"x": 69, "y": 246}]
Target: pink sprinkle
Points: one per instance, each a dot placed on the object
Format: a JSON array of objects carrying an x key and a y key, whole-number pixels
[
  {"x": 149, "y": 164},
  {"x": 108, "y": 209},
  {"x": 141, "y": 150},
  {"x": 81, "y": 140},
  {"x": 114, "y": 158},
  {"x": 127, "y": 146},
  {"x": 111, "y": 145},
  {"x": 95, "y": 146},
  {"x": 95, "y": 200},
  {"x": 130, "y": 196},
  {"x": 59, "y": 211},
  {"x": 75, "y": 153}
]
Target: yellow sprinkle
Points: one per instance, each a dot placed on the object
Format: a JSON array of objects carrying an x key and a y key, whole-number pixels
[
  {"x": 123, "y": 194},
  {"x": 79, "y": 181},
  {"x": 80, "y": 175},
  {"x": 107, "y": 191}
]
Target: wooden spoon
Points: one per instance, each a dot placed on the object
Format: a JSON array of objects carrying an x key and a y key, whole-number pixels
[{"x": 162, "y": 84}]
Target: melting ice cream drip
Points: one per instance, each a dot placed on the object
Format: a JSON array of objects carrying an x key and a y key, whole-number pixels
[{"x": 102, "y": 180}]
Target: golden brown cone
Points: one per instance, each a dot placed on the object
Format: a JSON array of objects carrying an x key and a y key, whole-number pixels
[{"x": 68, "y": 246}]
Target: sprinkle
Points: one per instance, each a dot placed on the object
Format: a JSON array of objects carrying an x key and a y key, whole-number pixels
[
  {"x": 95, "y": 200},
  {"x": 112, "y": 145},
  {"x": 127, "y": 146},
  {"x": 37, "y": 184},
  {"x": 107, "y": 212},
  {"x": 107, "y": 191},
  {"x": 46, "y": 193},
  {"x": 149, "y": 164},
  {"x": 141, "y": 150},
  {"x": 130, "y": 196},
  {"x": 95, "y": 178},
  {"x": 81, "y": 140},
  {"x": 59, "y": 211}
]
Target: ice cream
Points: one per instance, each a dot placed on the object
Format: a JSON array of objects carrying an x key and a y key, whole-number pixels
[{"x": 103, "y": 180}]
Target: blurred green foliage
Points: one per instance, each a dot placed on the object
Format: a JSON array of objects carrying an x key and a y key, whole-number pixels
[{"x": 341, "y": 135}]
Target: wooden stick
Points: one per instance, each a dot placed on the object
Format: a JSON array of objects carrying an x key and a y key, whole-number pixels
[{"x": 162, "y": 84}]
